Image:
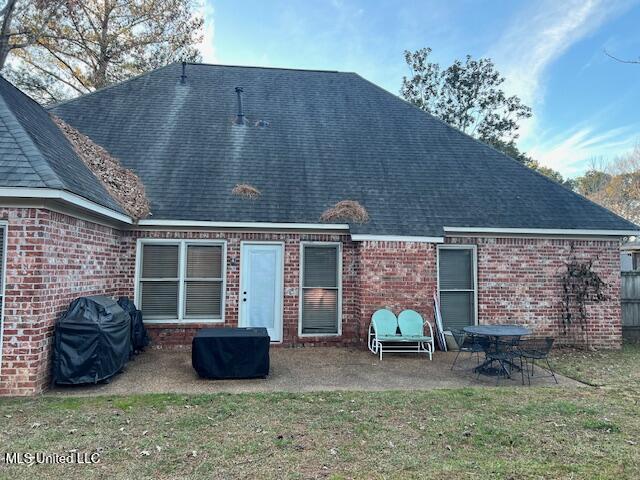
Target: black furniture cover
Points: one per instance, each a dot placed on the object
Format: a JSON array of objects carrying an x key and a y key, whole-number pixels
[
  {"x": 224, "y": 353},
  {"x": 139, "y": 336},
  {"x": 92, "y": 341}
]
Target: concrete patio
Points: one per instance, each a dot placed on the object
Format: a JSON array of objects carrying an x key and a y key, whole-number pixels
[{"x": 303, "y": 370}]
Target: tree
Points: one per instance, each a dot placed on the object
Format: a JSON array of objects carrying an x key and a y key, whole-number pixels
[
  {"x": 467, "y": 95},
  {"x": 592, "y": 182},
  {"x": 23, "y": 23},
  {"x": 94, "y": 43},
  {"x": 616, "y": 187}
]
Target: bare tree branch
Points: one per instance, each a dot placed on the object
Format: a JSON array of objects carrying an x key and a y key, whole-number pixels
[{"x": 620, "y": 59}]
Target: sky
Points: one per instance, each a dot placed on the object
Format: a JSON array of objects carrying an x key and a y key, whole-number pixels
[{"x": 552, "y": 52}]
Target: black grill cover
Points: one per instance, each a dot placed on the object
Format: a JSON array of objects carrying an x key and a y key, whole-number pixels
[
  {"x": 139, "y": 336},
  {"x": 223, "y": 353},
  {"x": 92, "y": 341}
]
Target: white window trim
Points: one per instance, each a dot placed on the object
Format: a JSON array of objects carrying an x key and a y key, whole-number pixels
[
  {"x": 474, "y": 249},
  {"x": 3, "y": 280},
  {"x": 182, "y": 260},
  {"x": 301, "y": 289}
]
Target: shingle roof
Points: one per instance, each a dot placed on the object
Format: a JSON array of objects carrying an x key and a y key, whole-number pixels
[
  {"x": 331, "y": 136},
  {"x": 34, "y": 153}
]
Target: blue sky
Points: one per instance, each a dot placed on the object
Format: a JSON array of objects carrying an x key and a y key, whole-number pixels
[{"x": 586, "y": 106}]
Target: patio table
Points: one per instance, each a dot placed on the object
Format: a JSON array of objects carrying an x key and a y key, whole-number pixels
[
  {"x": 494, "y": 333},
  {"x": 224, "y": 353}
]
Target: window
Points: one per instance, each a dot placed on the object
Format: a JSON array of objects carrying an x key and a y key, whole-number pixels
[
  {"x": 321, "y": 290},
  {"x": 181, "y": 281},
  {"x": 457, "y": 286}
]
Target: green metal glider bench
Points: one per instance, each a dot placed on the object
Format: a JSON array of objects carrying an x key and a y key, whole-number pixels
[{"x": 384, "y": 336}]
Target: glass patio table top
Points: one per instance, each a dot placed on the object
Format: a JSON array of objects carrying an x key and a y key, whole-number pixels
[{"x": 497, "y": 330}]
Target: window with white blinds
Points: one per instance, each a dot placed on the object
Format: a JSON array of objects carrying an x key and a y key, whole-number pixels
[
  {"x": 456, "y": 270},
  {"x": 181, "y": 281},
  {"x": 321, "y": 291}
]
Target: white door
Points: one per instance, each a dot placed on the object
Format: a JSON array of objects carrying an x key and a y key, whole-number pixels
[{"x": 261, "y": 287}]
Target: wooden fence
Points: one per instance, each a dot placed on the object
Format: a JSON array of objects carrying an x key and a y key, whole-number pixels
[{"x": 631, "y": 305}]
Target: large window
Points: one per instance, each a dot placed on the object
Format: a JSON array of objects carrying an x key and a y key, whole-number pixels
[
  {"x": 321, "y": 290},
  {"x": 457, "y": 285},
  {"x": 181, "y": 281}
]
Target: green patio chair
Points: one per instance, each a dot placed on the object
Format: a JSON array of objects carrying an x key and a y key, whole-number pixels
[
  {"x": 383, "y": 336},
  {"x": 384, "y": 326},
  {"x": 412, "y": 327}
]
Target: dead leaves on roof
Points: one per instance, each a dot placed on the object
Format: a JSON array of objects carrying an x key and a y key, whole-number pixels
[
  {"x": 121, "y": 183},
  {"x": 244, "y": 190},
  {"x": 346, "y": 211}
]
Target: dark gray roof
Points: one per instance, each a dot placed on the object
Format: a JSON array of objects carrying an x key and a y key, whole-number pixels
[
  {"x": 35, "y": 153},
  {"x": 331, "y": 136}
]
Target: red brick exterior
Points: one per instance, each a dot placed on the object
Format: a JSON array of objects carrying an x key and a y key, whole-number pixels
[
  {"x": 519, "y": 281},
  {"x": 178, "y": 335},
  {"x": 397, "y": 276},
  {"x": 54, "y": 258},
  {"x": 51, "y": 259}
]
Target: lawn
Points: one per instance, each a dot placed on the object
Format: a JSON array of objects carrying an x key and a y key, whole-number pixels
[
  {"x": 602, "y": 368},
  {"x": 512, "y": 433}
]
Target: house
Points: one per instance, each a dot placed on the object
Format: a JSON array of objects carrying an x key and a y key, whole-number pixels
[
  {"x": 630, "y": 255},
  {"x": 446, "y": 213}
]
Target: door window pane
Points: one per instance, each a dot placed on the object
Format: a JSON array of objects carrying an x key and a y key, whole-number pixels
[{"x": 262, "y": 288}]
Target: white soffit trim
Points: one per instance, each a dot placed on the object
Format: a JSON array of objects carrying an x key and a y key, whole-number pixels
[
  {"x": 72, "y": 198},
  {"x": 542, "y": 231},
  {"x": 395, "y": 238},
  {"x": 285, "y": 226}
]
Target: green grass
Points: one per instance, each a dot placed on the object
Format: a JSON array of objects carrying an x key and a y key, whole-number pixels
[
  {"x": 602, "y": 368},
  {"x": 518, "y": 433}
]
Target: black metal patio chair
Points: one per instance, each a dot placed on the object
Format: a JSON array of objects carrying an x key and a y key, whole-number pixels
[
  {"x": 535, "y": 349},
  {"x": 503, "y": 352},
  {"x": 470, "y": 344}
]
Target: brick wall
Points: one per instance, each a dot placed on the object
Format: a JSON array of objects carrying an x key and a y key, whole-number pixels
[
  {"x": 51, "y": 260},
  {"x": 396, "y": 276},
  {"x": 180, "y": 335},
  {"x": 519, "y": 282},
  {"x": 54, "y": 258}
]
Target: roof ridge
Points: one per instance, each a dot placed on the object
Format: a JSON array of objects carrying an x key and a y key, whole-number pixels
[
  {"x": 261, "y": 67},
  {"x": 39, "y": 163}
]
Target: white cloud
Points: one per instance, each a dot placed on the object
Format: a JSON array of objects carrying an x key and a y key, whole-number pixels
[
  {"x": 538, "y": 37},
  {"x": 206, "y": 46},
  {"x": 570, "y": 152}
]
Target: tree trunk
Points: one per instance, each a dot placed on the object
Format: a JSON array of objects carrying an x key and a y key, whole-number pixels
[
  {"x": 5, "y": 31},
  {"x": 103, "y": 60}
]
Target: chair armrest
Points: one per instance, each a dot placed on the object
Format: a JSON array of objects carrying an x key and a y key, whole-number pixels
[{"x": 426, "y": 323}]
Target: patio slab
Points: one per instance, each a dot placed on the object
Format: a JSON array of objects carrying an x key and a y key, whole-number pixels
[{"x": 303, "y": 370}]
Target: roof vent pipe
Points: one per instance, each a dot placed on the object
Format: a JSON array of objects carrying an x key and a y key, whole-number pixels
[
  {"x": 240, "y": 116},
  {"x": 183, "y": 77}
]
